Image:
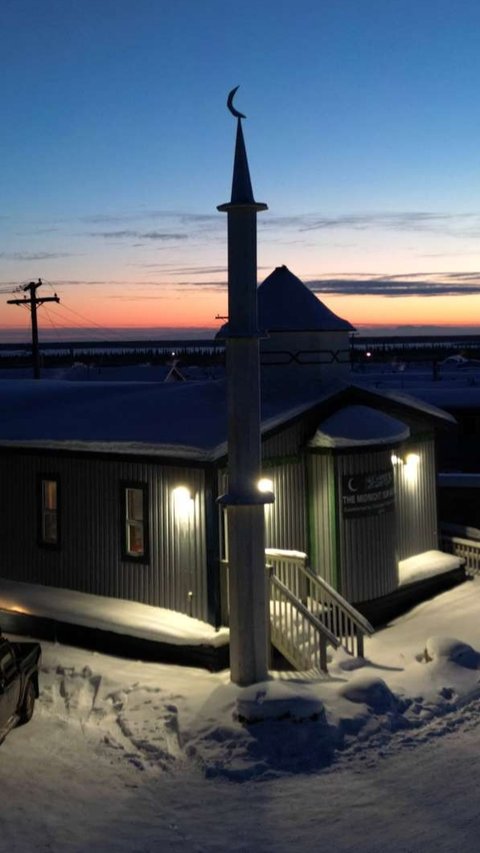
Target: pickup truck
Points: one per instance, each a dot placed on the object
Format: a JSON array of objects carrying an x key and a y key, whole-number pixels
[{"x": 18, "y": 683}]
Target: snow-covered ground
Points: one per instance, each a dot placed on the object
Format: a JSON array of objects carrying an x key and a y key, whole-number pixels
[{"x": 383, "y": 756}]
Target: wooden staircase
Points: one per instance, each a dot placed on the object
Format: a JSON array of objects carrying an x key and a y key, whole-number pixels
[{"x": 307, "y": 614}]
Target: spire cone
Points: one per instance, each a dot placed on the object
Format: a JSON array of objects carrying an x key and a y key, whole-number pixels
[{"x": 242, "y": 193}]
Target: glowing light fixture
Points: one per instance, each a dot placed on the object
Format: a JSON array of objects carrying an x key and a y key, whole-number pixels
[
  {"x": 412, "y": 459},
  {"x": 265, "y": 485},
  {"x": 183, "y": 502},
  {"x": 411, "y": 466}
]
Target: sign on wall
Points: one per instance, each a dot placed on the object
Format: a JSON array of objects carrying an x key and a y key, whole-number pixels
[{"x": 367, "y": 494}]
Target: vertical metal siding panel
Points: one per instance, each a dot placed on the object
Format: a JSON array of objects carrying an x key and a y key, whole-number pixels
[
  {"x": 417, "y": 503},
  {"x": 286, "y": 442},
  {"x": 156, "y": 537},
  {"x": 367, "y": 545},
  {"x": 285, "y": 519},
  {"x": 322, "y": 534},
  {"x": 89, "y": 558}
]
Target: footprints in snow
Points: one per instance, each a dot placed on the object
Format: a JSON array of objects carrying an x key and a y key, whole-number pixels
[{"x": 138, "y": 722}]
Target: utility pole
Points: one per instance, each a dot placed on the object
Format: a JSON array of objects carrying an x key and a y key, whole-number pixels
[{"x": 33, "y": 302}]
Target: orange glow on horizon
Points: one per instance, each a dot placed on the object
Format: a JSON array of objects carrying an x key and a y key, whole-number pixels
[
  {"x": 206, "y": 309},
  {"x": 409, "y": 310}
]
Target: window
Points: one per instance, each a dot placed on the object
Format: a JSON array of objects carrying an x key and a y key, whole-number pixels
[
  {"x": 49, "y": 527},
  {"x": 134, "y": 522}
]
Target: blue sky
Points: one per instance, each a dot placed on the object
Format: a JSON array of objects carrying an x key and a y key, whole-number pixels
[{"x": 362, "y": 134}]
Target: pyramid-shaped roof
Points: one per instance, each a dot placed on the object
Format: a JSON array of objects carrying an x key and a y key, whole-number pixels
[{"x": 286, "y": 304}]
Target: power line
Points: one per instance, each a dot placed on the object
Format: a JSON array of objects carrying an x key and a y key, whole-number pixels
[
  {"x": 34, "y": 302},
  {"x": 91, "y": 323}
]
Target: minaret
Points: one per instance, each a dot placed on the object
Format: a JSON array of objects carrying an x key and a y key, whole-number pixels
[{"x": 249, "y": 616}]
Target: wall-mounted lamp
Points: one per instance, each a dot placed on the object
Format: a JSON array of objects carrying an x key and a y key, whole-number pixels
[
  {"x": 183, "y": 502},
  {"x": 265, "y": 485},
  {"x": 412, "y": 460},
  {"x": 411, "y": 466}
]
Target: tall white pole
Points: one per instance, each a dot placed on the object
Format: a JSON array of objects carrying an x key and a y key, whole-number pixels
[{"x": 249, "y": 616}]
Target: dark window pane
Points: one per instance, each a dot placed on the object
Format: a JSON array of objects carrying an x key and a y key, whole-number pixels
[{"x": 50, "y": 527}]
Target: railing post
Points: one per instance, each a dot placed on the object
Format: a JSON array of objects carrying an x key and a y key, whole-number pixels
[
  {"x": 360, "y": 646},
  {"x": 323, "y": 654},
  {"x": 269, "y": 570}
]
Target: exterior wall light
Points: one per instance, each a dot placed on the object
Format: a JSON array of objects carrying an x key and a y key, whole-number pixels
[
  {"x": 183, "y": 502},
  {"x": 396, "y": 460},
  {"x": 412, "y": 459},
  {"x": 411, "y": 466},
  {"x": 265, "y": 485}
]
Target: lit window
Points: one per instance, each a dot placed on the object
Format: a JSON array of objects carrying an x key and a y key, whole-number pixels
[
  {"x": 49, "y": 511},
  {"x": 134, "y": 520}
]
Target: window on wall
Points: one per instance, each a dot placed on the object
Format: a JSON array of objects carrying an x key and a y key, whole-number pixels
[
  {"x": 49, "y": 526},
  {"x": 134, "y": 521}
]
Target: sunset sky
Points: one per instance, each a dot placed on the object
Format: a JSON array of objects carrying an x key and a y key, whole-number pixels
[{"x": 116, "y": 147}]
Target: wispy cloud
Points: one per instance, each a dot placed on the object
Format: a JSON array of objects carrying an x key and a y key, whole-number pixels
[
  {"x": 145, "y": 235},
  {"x": 452, "y": 224},
  {"x": 179, "y": 287},
  {"x": 162, "y": 235},
  {"x": 415, "y": 284},
  {"x": 139, "y": 298},
  {"x": 124, "y": 216},
  {"x": 34, "y": 256}
]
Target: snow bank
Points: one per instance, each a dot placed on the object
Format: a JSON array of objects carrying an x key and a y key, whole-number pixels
[{"x": 418, "y": 681}]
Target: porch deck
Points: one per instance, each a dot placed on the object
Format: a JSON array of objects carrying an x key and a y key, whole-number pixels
[{"x": 111, "y": 625}]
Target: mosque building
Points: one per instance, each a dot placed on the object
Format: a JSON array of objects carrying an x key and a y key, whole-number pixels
[{"x": 115, "y": 489}]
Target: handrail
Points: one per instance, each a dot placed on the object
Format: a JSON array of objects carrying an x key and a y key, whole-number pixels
[
  {"x": 357, "y": 618},
  {"x": 333, "y": 619},
  {"x": 474, "y": 544},
  {"x": 468, "y": 549},
  {"x": 320, "y": 626},
  {"x": 297, "y": 558},
  {"x": 330, "y": 608}
]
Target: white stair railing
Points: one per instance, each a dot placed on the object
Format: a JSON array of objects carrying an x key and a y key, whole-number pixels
[
  {"x": 306, "y": 613},
  {"x": 469, "y": 549},
  {"x": 295, "y": 632},
  {"x": 341, "y": 619}
]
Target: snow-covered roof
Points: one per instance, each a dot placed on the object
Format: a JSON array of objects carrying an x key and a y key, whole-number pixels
[
  {"x": 286, "y": 304},
  {"x": 452, "y": 397},
  {"x": 420, "y": 404},
  {"x": 182, "y": 420},
  {"x": 185, "y": 420},
  {"x": 355, "y": 426}
]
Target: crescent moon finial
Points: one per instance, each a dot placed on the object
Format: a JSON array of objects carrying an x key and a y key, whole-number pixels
[{"x": 230, "y": 106}]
